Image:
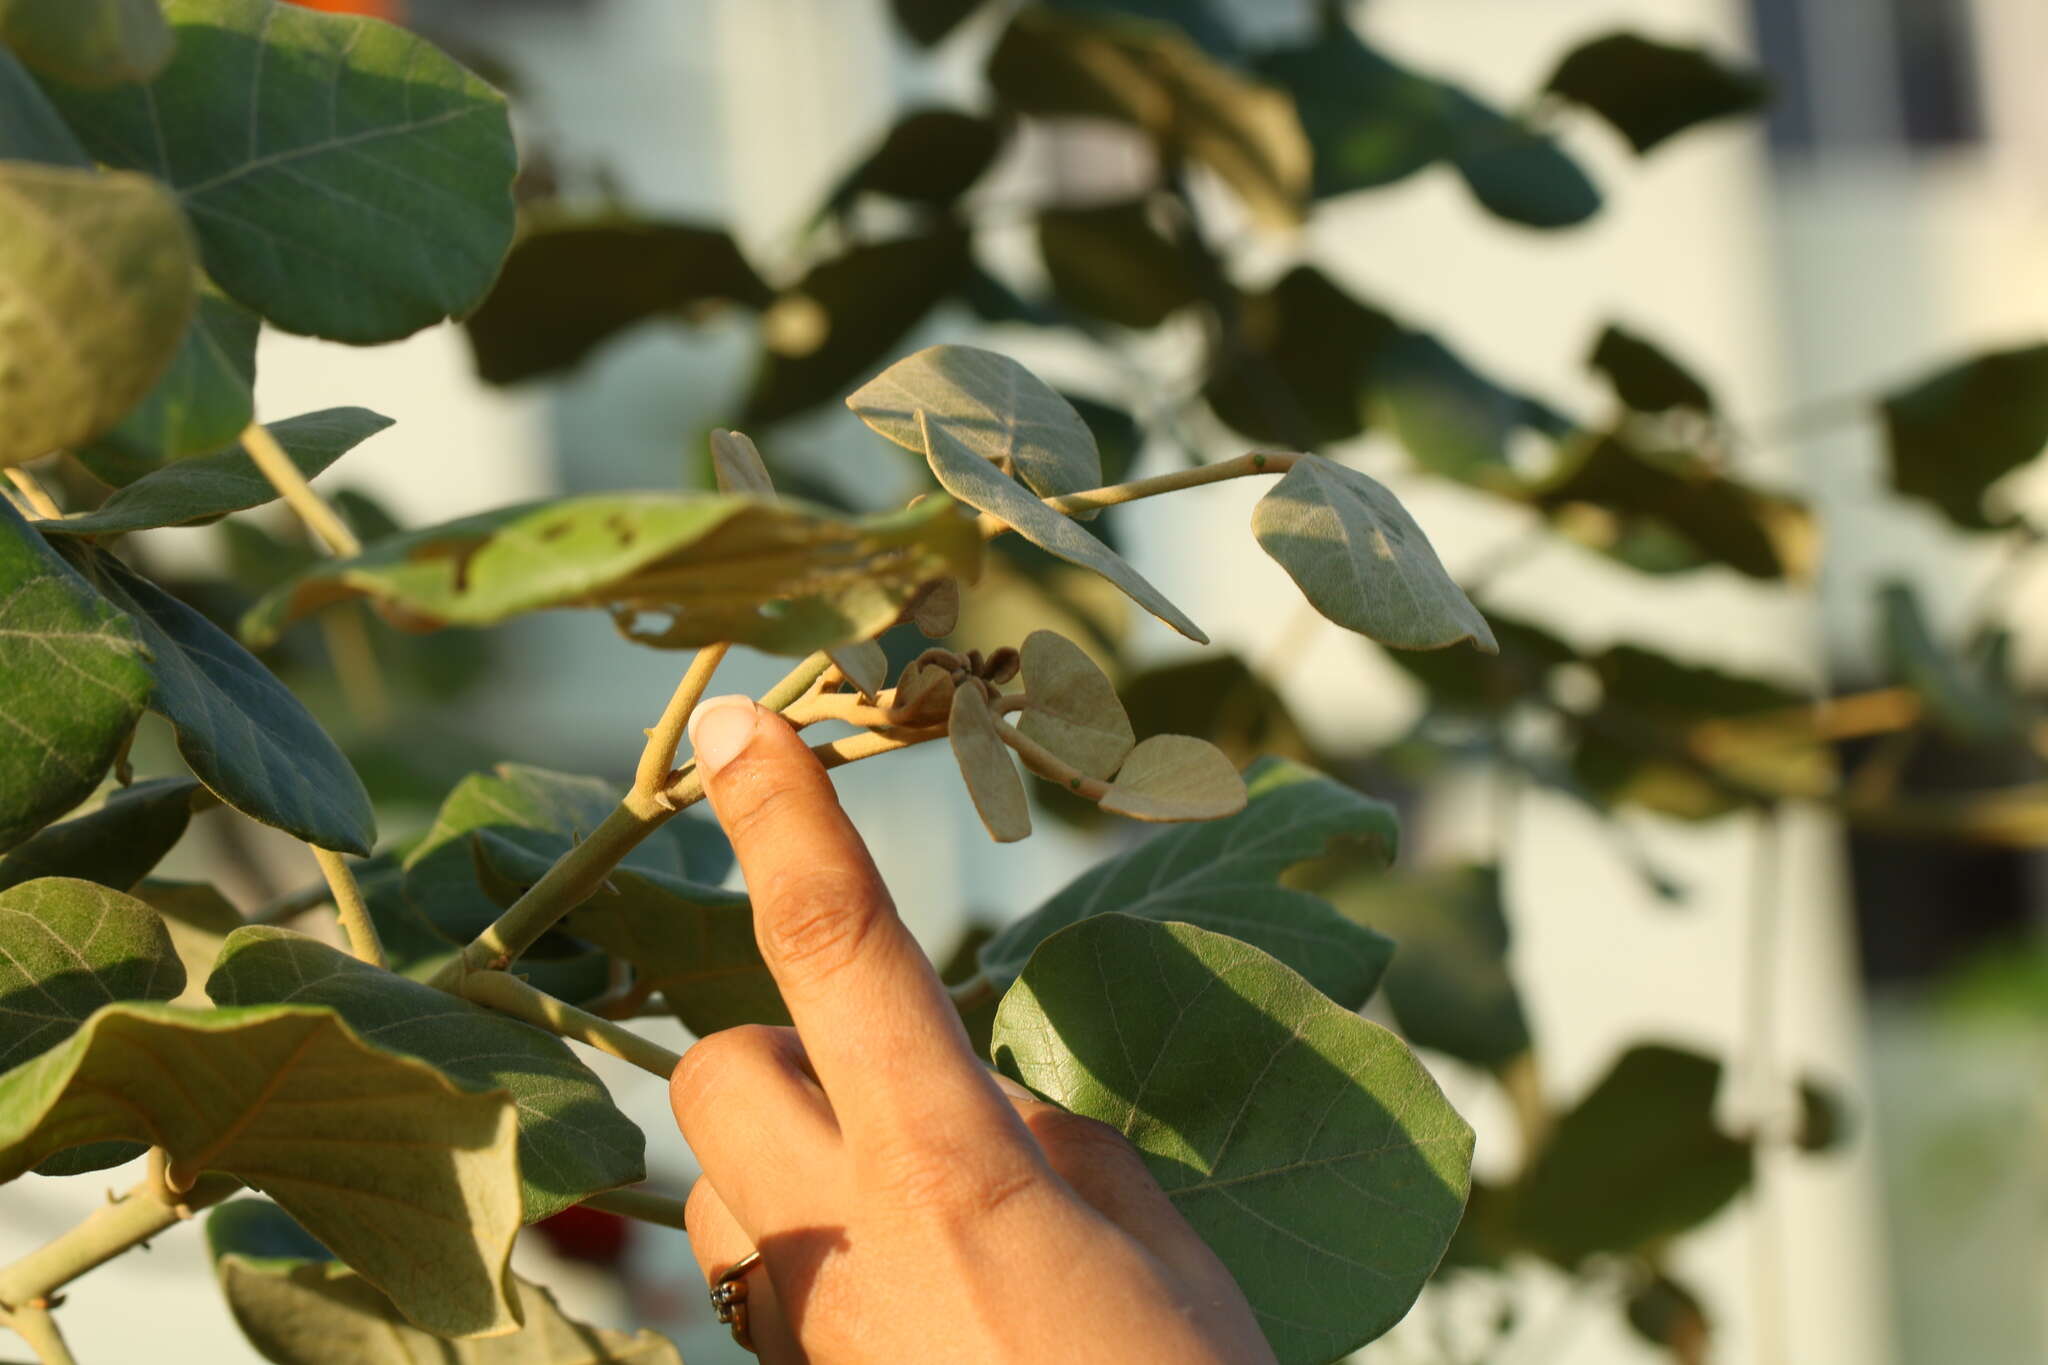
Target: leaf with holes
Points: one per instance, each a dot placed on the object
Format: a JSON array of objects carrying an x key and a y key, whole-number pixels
[
  {"x": 115, "y": 845},
  {"x": 782, "y": 576},
  {"x": 1226, "y": 874},
  {"x": 973, "y": 480},
  {"x": 73, "y": 679},
  {"x": 986, "y": 766},
  {"x": 1074, "y": 711},
  {"x": 199, "y": 491},
  {"x": 68, "y": 947},
  {"x": 1308, "y": 1147},
  {"x": 990, "y": 405},
  {"x": 389, "y": 1163},
  {"x": 1361, "y": 560},
  {"x": 96, "y": 273},
  {"x": 240, "y": 730},
  {"x": 573, "y": 1141},
  {"x": 201, "y": 404},
  {"x": 298, "y": 1306},
  {"x": 346, "y": 179}
]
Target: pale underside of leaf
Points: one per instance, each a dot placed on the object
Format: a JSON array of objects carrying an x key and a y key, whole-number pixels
[
  {"x": 1175, "y": 777},
  {"x": 738, "y": 465},
  {"x": 936, "y": 612},
  {"x": 986, "y": 766},
  {"x": 1074, "y": 710}
]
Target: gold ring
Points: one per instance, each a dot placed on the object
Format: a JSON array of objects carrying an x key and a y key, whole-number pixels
[{"x": 729, "y": 1298}]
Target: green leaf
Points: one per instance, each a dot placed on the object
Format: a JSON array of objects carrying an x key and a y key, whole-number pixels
[
  {"x": 73, "y": 679},
  {"x": 968, "y": 476},
  {"x": 1636, "y": 1161},
  {"x": 201, "y": 404},
  {"x": 298, "y": 1307},
  {"x": 1448, "y": 986},
  {"x": 833, "y": 325},
  {"x": 68, "y": 947},
  {"x": 1517, "y": 172},
  {"x": 1074, "y": 710},
  {"x": 986, "y": 766},
  {"x": 115, "y": 845},
  {"x": 346, "y": 179},
  {"x": 573, "y": 1142},
  {"x": 1466, "y": 680},
  {"x": 1644, "y": 375},
  {"x": 96, "y": 273},
  {"x": 1451, "y": 419},
  {"x": 1170, "y": 778},
  {"x": 199, "y": 919},
  {"x": 1970, "y": 698},
  {"x": 239, "y": 729},
  {"x": 1113, "y": 262},
  {"x": 572, "y": 282},
  {"x": 931, "y": 157},
  {"x": 783, "y": 576},
  {"x": 928, "y": 21},
  {"x": 1307, "y": 1146},
  {"x": 1300, "y": 379},
  {"x": 1225, "y": 875},
  {"x": 400, "y": 1172},
  {"x": 990, "y": 405},
  {"x": 198, "y": 491},
  {"x": 1665, "y": 1313},
  {"x": 1370, "y": 121},
  {"x": 91, "y": 42},
  {"x": 694, "y": 944},
  {"x": 1956, "y": 432},
  {"x": 1652, "y": 91},
  {"x": 1361, "y": 560},
  {"x": 31, "y": 129}
]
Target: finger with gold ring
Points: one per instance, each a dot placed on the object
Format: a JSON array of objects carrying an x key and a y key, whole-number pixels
[{"x": 729, "y": 1298}]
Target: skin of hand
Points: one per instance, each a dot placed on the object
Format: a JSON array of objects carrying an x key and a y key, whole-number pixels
[{"x": 908, "y": 1204}]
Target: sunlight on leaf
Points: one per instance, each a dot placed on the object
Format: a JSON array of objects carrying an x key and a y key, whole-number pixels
[
  {"x": 1074, "y": 710},
  {"x": 68, "y": 947},
  {"x": 986, "y": 766},
  {"x": 1175, "y": 777}
]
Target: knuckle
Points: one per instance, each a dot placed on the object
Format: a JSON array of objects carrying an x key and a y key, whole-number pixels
[
  {"x": 818, "y": 921},
  {"x": 952, "y": 1182},
  {"x": 715, "y": 1060},
  {"x": 1078, "y": 1137}
]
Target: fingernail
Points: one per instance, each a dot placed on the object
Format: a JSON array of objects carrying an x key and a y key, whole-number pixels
[
  {"x": 1011, "y": 1088},
  {"x": 720, "y": 728}
]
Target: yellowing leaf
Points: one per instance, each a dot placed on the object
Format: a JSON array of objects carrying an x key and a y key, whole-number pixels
[
  {"x": 1074, "y": 710},
  {"x": 1175, "y": 777},
  {"x": 987, "y": 768}
]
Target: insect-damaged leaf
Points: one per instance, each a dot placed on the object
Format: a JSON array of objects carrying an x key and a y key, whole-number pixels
[
  {"x": 1225, "y": 875},
  {"x": 68, "y": 947},
  {"x": 781, "y": 576},
  {"x": 1074, "y": 710},
  {"x": 407, "y": 1177},
  {"x": 1307, "y": 1146},
  {"x": 198, "y": 491},
  {"x": 201, "y": 404},
  {"x": 573, "y": 1142},
  {"x": 1652, "y": 91},
  {"x": 986, "y": 766},
  {"x": 1361, "y": 560},
  {"x": 96, "y": 273},
  {"x": 346, "y": 179},
  {"x": 115, "y": 845},
  {"x": 73, "y": 679},
  {"x": 988, "y": 404},
  {"x": 976, "y": 482},
  {"x": 299, "y": 1306}
]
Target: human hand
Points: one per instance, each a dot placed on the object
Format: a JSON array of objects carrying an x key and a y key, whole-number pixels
[{"x": 908, "y": 1204}]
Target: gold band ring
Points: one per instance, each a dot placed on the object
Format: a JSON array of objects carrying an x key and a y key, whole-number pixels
[{"x": 729, "y": 1298}]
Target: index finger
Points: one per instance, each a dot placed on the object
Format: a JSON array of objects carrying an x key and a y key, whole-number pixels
[{"x": 880, "y": 1029}]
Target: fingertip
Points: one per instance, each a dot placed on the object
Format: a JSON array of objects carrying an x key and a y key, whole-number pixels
[{"x": 721, "y": 728}]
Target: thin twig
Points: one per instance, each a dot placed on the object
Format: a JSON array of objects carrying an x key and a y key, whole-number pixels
[
  {"x": 33, "y": 493},
  {"x": 1051, "y": 766},
  {"x": 102, "y": 1235},
  {"x": 658, "y": 759},
  {"x": 350, "y": 908},
  {"x": 510, "y": 995},
  {"x": 276, "y": 466},
  {"x": 1110, "y": 495}
]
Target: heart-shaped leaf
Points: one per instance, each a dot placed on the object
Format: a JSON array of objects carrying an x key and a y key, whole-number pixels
[
  {"x": 346, "y": 178},
  {"x": 1307, "y": 1146},
  {"x": 115, "y": 845},
  {"x": 198, "y": 491},
  {"x": 91, "y": 42},
  {"x": 1074, "y": 710},
  {"x": 299, "y": 1307},
  {"x": 68, "y": 947},
  {"x": 96, "y": 273},
  {"x": 979, "y": 484},
  {"x": 73, "y": 679},
  {"x": 242, "y": 733},
  {"x": 781, "y": 576},
  {"x": 1225, "y": 875},
  {"x": 573, "y": 1141},
  {"x": 986, "y": 766},
  {"x": 1175, "y": 777},
  {"x": 403, "y": 1174},
  {"x": 1652, "y": 91},
  {"x": 990, "y": 405},
  {"x": 1361, "y": 560},
  {"x": 201, "y": 404}
]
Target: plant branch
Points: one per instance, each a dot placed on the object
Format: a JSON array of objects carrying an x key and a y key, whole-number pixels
[
  {"x": 1051, "y": 766},
  {"x": 349, "y": 906},
  {"x": 102, "y": 1235},
  {"x": 510, "y": 995},
  {"x": 658, "y": 759},
  {"x": 640, "y": 1204},
  {"x": 796, "y": 682},
  {"x": 33, "y": 493},
  {"x": 1243, "y": 466},
  {"x": 269, "y": 458},
  {"x": 868, "y": 744},
  {"x": 34, "y": 1325}
]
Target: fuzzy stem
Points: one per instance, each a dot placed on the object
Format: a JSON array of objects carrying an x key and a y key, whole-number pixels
[
  {"x": 33, "y": 493},
  {"x": 658, "y": 759},
  {"x": 640, "y": 1204},
  {"x": 868, "y": 744},
  {"x": 104, "y": 1233},
  {"x": 276, "y": 466},
  {"x": 510, "y": 995},
  {"x": 34, "y": 1325},
  {"x": 1257, "y": 462},
  {"x": 1051, "y": 766},
  {"x": 349, "y": 906},
  {"x": 796, "y": 682}
]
